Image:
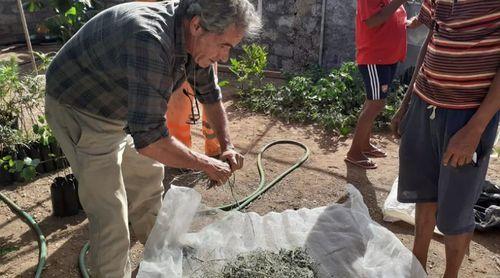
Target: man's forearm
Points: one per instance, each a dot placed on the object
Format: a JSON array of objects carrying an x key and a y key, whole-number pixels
[
  {"x": 172, "y": 152},
  {"x": 216, "y": 116},
  {"x": 488, "y": 108},
  {"x": 384, "y": 14}
]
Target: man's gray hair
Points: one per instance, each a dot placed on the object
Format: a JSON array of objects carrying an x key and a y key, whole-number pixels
[{"x": 217, "y": 15}]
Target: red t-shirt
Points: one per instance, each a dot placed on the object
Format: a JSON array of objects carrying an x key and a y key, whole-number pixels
[{"x": 384, "y": 44}]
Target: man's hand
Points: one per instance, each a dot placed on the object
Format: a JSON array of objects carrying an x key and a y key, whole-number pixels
[
  {"x": 398, "y": 117},
  {"x": 461, "y": 147},
  {"x": 218, "y": 171},
  {"x": 396, "y": 121},
  {"x": 384, "y": 14},
  {"x": 234, "y": 159},
  {"x": 413, "y": 23}
]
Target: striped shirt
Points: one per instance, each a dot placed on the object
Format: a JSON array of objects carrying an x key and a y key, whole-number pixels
[
  {"x": 463, "y": 54},
  {"x": 123, "y": 65}
]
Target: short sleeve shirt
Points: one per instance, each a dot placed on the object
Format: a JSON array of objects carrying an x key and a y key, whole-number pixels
[
  {"x": 463, "y": 54},
  {"x": 384, "y": 44}
]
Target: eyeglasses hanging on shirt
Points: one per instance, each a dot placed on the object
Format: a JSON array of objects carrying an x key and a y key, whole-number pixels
[{"x": 195, "y": 109}]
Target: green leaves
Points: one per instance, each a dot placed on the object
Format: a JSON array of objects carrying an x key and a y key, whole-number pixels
[
  {"x": 333, "y": 100},
  {"x": 249, "y": 69},
  {"x": 223, "y": 83},
  {"x": 43, "y": 132},
  {"x": 25, "y": 167},
  {"x": 70, "y": 15}
]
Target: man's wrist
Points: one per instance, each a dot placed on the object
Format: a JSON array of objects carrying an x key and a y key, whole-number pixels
[
  {"x": 227, "y": 147},
  {"x": 201, "y": 161},
  {"x": 475, "y": 127}
]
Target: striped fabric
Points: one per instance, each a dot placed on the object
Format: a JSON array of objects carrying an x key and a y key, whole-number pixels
[
  {"x": 374, "y": 81},
  {"x": 463, "y": 55}
]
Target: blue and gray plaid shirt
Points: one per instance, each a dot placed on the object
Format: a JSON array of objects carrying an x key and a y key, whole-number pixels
[{"x": 124, "y": 63}]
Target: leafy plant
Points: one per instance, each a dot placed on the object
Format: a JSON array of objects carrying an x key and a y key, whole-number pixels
[
  {"x": 249, "y": 69},
  {"x": 43, "y": 132},
  {"x": 25, "y": 167},
  {"x": 45, "y": 59},
  {"x": 70, "y": 15},
  {"x": 20, "y": 97},
  {"x": 9, "y": 84},
  {"x": 10, "y": 137},
  {"x": 333, "y": 100}
]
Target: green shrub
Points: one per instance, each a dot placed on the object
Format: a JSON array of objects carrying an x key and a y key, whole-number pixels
[
  {"x": 20, "y": 99},
  {"x": 70, "y": 15},
  {"x": 249, "y": 68},
  {"x": 332, "y": 100}
]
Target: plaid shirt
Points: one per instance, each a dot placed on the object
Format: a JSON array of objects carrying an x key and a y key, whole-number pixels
[{"x": 124, "y": 64}]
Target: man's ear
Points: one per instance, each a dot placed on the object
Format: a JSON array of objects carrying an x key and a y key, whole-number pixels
[{"x": 195, "y": 26}]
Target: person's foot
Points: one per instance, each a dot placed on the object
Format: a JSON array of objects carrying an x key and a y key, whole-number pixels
[
  {"x": 360, "y": 160},
  {"x": 373, "y": 151}
]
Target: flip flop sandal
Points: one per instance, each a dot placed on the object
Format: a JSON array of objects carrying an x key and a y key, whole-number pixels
[
  {"x": 375, "y": 153},
  {"x": 364, "y": 163}
]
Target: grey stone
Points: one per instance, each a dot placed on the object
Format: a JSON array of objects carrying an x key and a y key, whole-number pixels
[
  {"x": 270, "y": 7},
  {"x": 9, "y": 19},
  {"x": 272, "y": 61},
  {"x": 288, "y": 65},
  {"x": 283, "y": 50},
  {"x": 270, "y": 34},
  {"x": 285, "y": 21},
  {"x": 310, "y": 25}
]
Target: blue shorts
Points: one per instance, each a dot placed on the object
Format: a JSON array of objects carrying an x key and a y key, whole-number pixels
[
  {"x": 423, "y": 177},
  {"x": 376, "y": 76}
]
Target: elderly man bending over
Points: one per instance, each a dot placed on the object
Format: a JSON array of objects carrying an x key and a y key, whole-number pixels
[{"x": 107, "y": 93}]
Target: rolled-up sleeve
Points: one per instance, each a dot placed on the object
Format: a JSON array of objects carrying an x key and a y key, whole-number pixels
[
  {"x": 148, "y": 73},
  {"x": 206, "y": 85},
  {"x": 425, "y": 16}
]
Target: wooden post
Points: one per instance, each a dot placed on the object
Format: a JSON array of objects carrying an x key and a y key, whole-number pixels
[{"x": 27, "y": 34}]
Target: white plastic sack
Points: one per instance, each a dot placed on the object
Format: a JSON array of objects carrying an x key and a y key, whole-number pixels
[
  {"x": 341, "y": 238},
  {"x": 395, "y": 211}
]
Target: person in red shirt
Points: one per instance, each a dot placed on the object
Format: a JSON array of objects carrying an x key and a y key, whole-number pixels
[{"x": 380, "y": 45}]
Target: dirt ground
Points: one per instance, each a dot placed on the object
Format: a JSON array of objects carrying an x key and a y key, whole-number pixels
[{"x": 319, "y": 182}]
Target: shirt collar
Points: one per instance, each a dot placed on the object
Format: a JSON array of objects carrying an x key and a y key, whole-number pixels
[{"x": 179, "y": 39}]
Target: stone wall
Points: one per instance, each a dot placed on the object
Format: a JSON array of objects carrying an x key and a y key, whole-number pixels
[
  {"x": 291, "y": 31},
  {"x": 11, "y": 29},
  {"x": 339, "y": 45}
]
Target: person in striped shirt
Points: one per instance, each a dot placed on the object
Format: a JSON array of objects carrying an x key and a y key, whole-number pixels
[{"x": 448, "y": 122}]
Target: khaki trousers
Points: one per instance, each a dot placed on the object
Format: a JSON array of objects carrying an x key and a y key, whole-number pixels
[{"x": 117, "y": 185}]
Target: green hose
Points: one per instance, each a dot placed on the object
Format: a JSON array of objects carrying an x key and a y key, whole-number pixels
[
  {"x": 263, "y": 187},
  {"x": 42, "y": 246},
  {"x": 238, "y": 205},
  {"x": 81, "y": 261}
]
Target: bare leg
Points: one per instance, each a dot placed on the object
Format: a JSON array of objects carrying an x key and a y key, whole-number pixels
[
  {"x": 455, "y": 246},
  {"x": 425, "y": 221},
  {"x": 361, "y": 139}
]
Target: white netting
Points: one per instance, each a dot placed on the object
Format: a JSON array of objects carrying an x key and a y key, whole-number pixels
[{"x": 341, "y": 238}]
